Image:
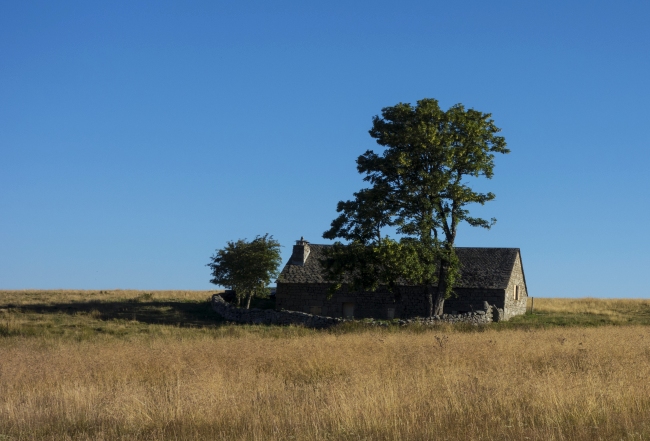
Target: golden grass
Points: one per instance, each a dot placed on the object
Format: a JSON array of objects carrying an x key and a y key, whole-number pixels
[
  {"x": 264, "y": 383},
  {"x": 590, "y": 305},
  {"x": 48, "y": 297},
  {"x": 84, "y": 314},
  {"x": 551, "y": 384},
  {"x": 593, "y": 311}
]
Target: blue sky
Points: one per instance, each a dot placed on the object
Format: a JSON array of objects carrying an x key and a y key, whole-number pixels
[{"x": 138, "y": 137}]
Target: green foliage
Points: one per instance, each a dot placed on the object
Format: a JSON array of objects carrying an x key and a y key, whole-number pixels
[
  {"x": 247, "y": 267},
  {"x": 428, "y": 154},
  {"x": 362, "y": 219},
  {"x": 366, "y": 266},
  {"x": 418, "y": 185}
]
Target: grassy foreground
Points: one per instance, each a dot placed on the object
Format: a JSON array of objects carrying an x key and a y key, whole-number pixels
[{"x": 159, "y": 365}]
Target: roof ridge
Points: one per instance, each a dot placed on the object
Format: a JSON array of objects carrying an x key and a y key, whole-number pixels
[{"x": 473, "y": 248}]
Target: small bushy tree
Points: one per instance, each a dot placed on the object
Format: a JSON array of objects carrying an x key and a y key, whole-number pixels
[{"x": 246, "y": 267}]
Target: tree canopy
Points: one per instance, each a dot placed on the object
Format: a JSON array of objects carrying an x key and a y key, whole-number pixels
[
  {"x": 246, "y": 267},
  {"x": 419, "y": 187}
]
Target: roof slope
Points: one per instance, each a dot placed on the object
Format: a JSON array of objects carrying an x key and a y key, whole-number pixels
[
  {"x": 486, "y": 267},
  {"x": 479, "y": 267}
]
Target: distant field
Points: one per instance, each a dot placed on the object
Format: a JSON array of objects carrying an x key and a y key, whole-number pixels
[
  {"x": 153, "y": 365},
  {"x": 587, "y": 312}
]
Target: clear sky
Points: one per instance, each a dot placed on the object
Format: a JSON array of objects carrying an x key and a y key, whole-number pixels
[{"x": 138, "y": 137}]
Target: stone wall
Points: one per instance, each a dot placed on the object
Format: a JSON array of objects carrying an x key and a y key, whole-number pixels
[
  {"x": 406, "y": 302},
  {"x": 313, "y": 298},
  {"x": 480, "y": 317},
  {"x": 472, "y": 299},
  {"x": 514, "y": 307},
  {"x": 272, "y": 317},
  {"x": 269, "y": 316}
]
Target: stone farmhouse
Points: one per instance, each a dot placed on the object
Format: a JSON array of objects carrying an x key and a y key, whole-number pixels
[{"x": 492, "y": 275}]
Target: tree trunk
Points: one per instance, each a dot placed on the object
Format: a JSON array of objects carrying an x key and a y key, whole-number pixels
[
  {"x": 439, "y": 302},
  {"x": 442, "y": 289},
  {"x": 397, "y": 301},
  {"x": 248, "y": 303},
  {"x": 431, "y": 294},
  {"x": 436, "y": 300}
]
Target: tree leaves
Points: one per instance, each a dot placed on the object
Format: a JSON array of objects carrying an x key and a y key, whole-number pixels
[
  {"x": 246, "y": 267},
  {"x": 418, "y": 185}
]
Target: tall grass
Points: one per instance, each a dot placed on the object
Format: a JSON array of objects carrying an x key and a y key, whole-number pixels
[
  {"x": 57, "y": 296},
  {"x": 551, "y": 384},
  {"x": 588, "y": 305},
  {"x": 265, "y": 383},
  {"x": 586, "y": 312}
]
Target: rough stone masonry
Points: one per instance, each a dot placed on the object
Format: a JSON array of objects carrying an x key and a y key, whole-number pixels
[{"x": 273, "y": 317}]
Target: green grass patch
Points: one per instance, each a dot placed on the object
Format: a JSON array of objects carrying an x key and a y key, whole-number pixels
[{"x": 567, "y": 319}]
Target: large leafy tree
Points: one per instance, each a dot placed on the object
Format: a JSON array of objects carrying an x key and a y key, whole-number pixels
[
  {"x": 246, "y": 267},
  {"x": 419, "y": 185}
]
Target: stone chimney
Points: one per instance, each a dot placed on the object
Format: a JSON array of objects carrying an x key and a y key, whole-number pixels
[{"x": 300, "y": 252}]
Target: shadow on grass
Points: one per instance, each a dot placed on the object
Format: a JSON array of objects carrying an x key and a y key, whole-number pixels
[
  {"x": 162, "y": 312},
  {"x": 183, "y": 314},
  {"x": 199, "y": 314}
]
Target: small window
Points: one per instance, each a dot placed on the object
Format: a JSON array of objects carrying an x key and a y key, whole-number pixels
[
  {"x": 516, "y": 292},
  {"x": 390, "y": 313}
]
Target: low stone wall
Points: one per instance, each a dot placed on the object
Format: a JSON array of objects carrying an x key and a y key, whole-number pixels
[
  {"x": 269, "y": 316},
  {"x": 407, "y": 303},
  {"x": 272, "y": 317},
  {"x": 474, "y": 318}
]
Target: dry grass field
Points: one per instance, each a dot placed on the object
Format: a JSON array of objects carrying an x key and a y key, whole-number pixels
[{"x": 126, "y": 365}]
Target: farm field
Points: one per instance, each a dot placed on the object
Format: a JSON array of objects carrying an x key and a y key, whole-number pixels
[{"x": 159, "y": 365}]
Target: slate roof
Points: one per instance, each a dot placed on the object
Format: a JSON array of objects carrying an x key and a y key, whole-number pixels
[
  {"x": 479, "y": 267},
  {"x": 486, "y": 267}
]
